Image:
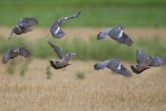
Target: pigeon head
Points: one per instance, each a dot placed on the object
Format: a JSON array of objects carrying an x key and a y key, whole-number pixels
[
  {"x": 99, "y": 36},
  {"x": 59, "y": 21},
  {"x": 121, "y": 27},
  {"x": 98, "y": 67}
]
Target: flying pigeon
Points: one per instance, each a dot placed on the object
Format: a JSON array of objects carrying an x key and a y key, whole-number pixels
[
  {"x": 12, "y": 53},
  {"x": 115, "y": 65},
  {"x": 145, "y": 62},
  {"x": 23, "y": 26},
  {"x": 64, "y": 58},
  {"x": 116, "y": 33},
  {"x": 55, "y": 28}
]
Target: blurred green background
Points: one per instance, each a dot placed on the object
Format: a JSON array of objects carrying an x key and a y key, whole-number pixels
[
  {"x": 130, "y": 13},
  {"x": 95, "y": 13}
]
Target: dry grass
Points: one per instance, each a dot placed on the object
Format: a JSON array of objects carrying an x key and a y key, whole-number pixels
[
  {"x": 98, "y": 91},
  {"x": 86, "y": 33}
]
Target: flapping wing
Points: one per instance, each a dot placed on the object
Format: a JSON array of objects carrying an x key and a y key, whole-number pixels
[
  {"x": 124, "y": 71},
  {"x": 137, "y": 69},
  {"x": 140, "y": 56},
  {"x": 11, "y": 33},
  {"x": 157, "y": 61},
  {"x": 24, "y": 52},
  {"x": 57, "y": 50},
  {"x": 28, "y": 21},
  {"x": 73, "y": 16},
  {"x": 125, "y": 39},
  {"x": 7, "y": 55},
  {"x": 119, "y": 68}
]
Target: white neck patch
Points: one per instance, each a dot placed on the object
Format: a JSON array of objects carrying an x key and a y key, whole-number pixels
[
  {"x": 120, "y": 34},
  {"x": 119, "y": 67}
]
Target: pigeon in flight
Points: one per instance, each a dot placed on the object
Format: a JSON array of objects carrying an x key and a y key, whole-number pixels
[
  {"x": 56, "y": 30},
  {"x": 64, "y": 58},
  {"x": 12, "y": 53},
  {"x": 115, "y": 65},
  {"x": 23, "y": 26},
  {"x": 116, "y": 33},
  {"x": 145, "y": 62}
]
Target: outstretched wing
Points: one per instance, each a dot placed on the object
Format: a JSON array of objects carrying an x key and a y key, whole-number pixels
[
  {"x": 157, "y": 61},
  {"x": 73, "y": 16},
  {"x": 24, "y": 52},
  {"x": 119, "y": 68},
  {"x": 11, "y": 33},
  {"x": 138, "y": 68},
  {"x": 57, "y": 50},
  {"x": 125, "y": 39},
  {"x": 140, "y": 56},
  {"x": 28, "y": 21},
  {"x": 7, "y": 55}
]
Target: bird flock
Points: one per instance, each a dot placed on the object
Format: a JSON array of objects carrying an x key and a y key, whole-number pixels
[{"x": 116, "y": 33}]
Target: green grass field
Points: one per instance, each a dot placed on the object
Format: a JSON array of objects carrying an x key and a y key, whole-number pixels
[
  {"x": 92, "y": 50},
  {"x": 142, "y": 13}
]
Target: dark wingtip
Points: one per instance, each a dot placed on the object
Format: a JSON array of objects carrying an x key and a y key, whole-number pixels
[
  {"x": 24, "y": 52},
  {"x": 51, "y": 44},
  {"x": 78, "y": 13},
  {"x": 128, "y": 74},
  {"x": 130, "y": 42},
  {"x": 135, "y": 70}
]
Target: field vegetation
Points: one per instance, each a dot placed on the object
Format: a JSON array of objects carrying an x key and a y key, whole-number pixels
[
  {"x": 91, "y": 50},
  {"x": 129, "y": 13},
  {"x": 33, "y": 85}
]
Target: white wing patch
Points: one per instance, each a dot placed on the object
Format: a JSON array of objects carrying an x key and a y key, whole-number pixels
[
  {"x": 119, "y": 67},
  {"x": 57, "y": 30},
  {"x": 18, "y": 28},
  {"x": 120, "y": 34}
]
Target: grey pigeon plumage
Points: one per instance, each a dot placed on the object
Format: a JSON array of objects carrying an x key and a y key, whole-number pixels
[
  {"x": 140, "y": 56},
  {"x": 55, "y": 28},
  {"x": 115, "y": 65},
  {"x": 156, "y": 61},
  {"x": 64, "y": 58},
  {"x": 116, "y": 33},
  {"x": 145, "y": 62},
  {"x": 12, "y": 53},
  {"x": 142, "y": 62},
  {"x": 23, "y": 26}
]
